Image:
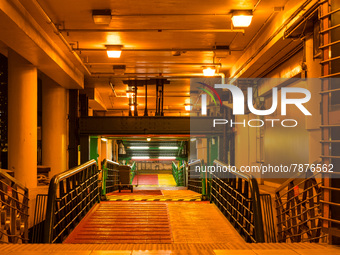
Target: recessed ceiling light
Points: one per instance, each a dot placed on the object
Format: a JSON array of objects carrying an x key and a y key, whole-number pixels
[
  {"x": 209, "y": 70},
  {"x": 241, "y": 18},
  {"x": 114, "y": 51},
  {"x": 188, "y": 107}
]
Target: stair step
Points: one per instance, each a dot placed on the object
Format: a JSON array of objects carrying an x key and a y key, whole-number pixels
[{"x": 122, "y": 223}]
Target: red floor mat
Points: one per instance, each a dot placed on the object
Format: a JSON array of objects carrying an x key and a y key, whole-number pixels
[
  {"x": 136, "y": 193},
  {"x": 145, "y": 179}
]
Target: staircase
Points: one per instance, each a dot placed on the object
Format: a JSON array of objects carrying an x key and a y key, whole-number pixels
[{"x": 120, "y": 222}]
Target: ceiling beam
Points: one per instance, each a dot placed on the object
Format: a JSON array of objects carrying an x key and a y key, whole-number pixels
[{"x": 148, "y": 126}]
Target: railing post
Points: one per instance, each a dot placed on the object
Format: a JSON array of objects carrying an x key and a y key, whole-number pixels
[
  {"x": 258, "y": 222},
  {"x": 104, "y": 177}
]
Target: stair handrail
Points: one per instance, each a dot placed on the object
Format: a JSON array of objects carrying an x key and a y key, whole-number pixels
[
  {"x": 254, "y": 200},
  {"x": 298, "y": 175},
  {"x": 175, "y": 172},
  {"x": 72, "y": 190},
  {"x": 195, "y": 181},
  {"x": 293, "y": 224},
  {"x": 113, "y": 167},
  {"x": 17, "y": 200},
  {"x": 133, "y": 171}
]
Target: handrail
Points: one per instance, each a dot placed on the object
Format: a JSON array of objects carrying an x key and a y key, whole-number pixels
[
  {"x": 198, "y": 161},
  {"x": 133, "y": 171},
  {"x": 298, "y": 207},
  {"x": 195, "y": 181},
  {"x": 297, "y": 175},
  {"x": 237, "y": 195},
  {"x": 14, "y": 210},
  {"x": 71, "y": 195},
  {"x": 110, "y": 176},
  {"x": 178, "y": 174},
  {"x": 13, "y": 180}
]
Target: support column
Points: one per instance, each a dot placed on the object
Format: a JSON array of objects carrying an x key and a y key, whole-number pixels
[
  {"x": 54, "y": 128},
  {"x": 84, "y": 149},
  {"x": 73, "y": 128},
  {"x": 22, "y": 119}
]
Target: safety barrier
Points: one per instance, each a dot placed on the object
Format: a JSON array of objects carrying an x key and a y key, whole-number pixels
[
  {"x": 298, "y": 205},
  {"x": 268, "y": 218},
  {"x": 13, "y": 210},
  {"x": 195, "y": 179},
  {"x": 39, "y": 218},
  {"x": 237, "y": 196},
  {"x": 71, "y": 195},
  {"x": 178, "y": 174},
  {"x": 329, "y": 108},
  {"x": 110, "y": 176},
  {"x": 333, "y": 225}
]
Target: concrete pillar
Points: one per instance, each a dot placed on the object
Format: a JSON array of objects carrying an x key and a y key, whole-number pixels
[
  {"x": 54, "y": 128},
  {"x": 22, "y": 119}
]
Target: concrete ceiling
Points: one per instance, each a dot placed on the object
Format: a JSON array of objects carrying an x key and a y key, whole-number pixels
[{"x": 131, "y": 26}]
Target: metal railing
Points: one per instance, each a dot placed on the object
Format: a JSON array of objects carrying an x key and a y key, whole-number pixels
[
  {"x": 133, "y": 171},
  {"x": 237, "y": 197},
  {"x": 298, "y": 208},
  {"x": 110, "y": 176},
  {"x": 39, "y": 218},
  {"x": 330, "y": 220},
  {"x": 13, "y": 210},
  {"x": 268, "y": 218},
  {"x": 195, "y": 179},
  {"x": 178, "y": 174},
  {"x": 71, "y": 195},
  {"x": 330, "y": 124}
]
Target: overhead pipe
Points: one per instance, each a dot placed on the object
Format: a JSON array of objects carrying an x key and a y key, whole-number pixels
[
  {"x": 163, "y": 49},
  {"x": 170, "y": 14},
  {"x": 105, "y": 30},
  {"x": 164, "y": 75},
  {"x": 153, "y": 63},
  {"x": 57, "y": 32}
]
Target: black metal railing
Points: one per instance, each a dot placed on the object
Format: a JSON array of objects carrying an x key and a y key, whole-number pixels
[
  {"x": 237, "y": 196},
  {"x": 332, "y": 228},
  {"x": 298, "y": 207},
  {"x": 39, "y": 218},
  {"x": 71, "y": 195},
  {"x": 13, "y": 210},
  {"x": 110, "y": 176},
  {"x": 195, "y": 180},
  {"x": 268, "y": 218}
]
